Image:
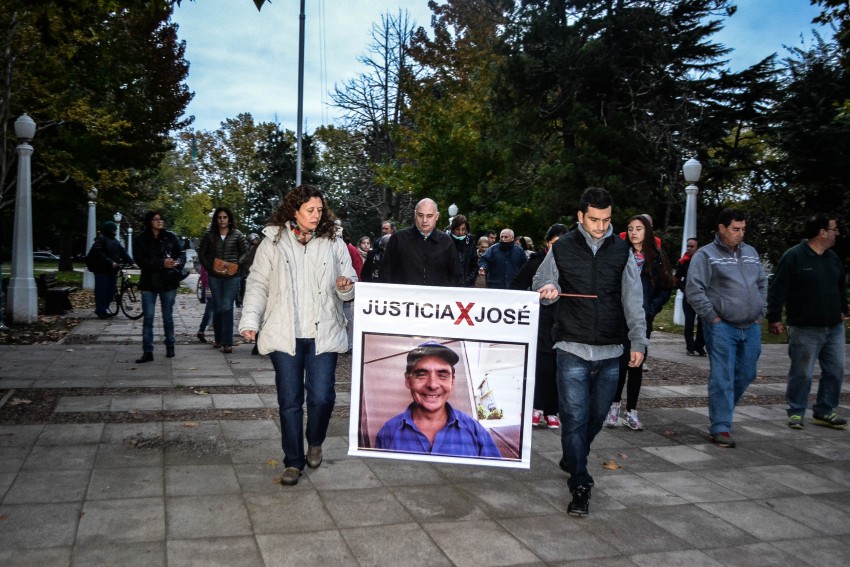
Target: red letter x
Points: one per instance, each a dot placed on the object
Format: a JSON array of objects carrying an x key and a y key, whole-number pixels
[{"x": 464, "y": 313}]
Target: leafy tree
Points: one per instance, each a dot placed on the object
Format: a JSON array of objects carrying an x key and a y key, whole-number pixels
[{"x": 104, "y": 82}]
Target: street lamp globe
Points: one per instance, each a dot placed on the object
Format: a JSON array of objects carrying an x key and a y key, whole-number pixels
[
  {"x": 452, "y": 210},
  {"x": 692, "y": 170},
  {"x": 117, "y": 217},
  {"x": 92, "y": 193},
  {"x": 24, "y": 128}
]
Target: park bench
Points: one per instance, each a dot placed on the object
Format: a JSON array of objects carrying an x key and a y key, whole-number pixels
[{"x": 56, "y": 295}]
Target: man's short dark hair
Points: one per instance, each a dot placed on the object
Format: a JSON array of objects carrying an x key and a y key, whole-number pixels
[
  {"x": 556, "y": 229},
  {"x": 491, "y": 232},
  {"x": 729, "y": 215},
  {"x": 694, "y": 239},
  {"x": 595, "y": 197},
  {"x": 431, "y": 348},
  {"x": 816, "y": 223},
  {"x": 389, "y": 222}
]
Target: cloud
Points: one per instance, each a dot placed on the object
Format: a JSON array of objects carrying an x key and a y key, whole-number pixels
[{"x": 242, "y": 60}]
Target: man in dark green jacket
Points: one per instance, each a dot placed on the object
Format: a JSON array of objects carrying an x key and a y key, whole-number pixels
[{"x": 810, "y": 282}]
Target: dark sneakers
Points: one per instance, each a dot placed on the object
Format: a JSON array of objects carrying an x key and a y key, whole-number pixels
[
  {"x": 580, "y": 503},
  {"x": 169, "y": 352},
  {"x": 830, "y": 420},
  {"x": 723, "y": 439},
  {"x": 795, "y": 421}
]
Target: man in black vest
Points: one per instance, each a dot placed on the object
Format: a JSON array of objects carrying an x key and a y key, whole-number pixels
[{"x": 593, "y": 276}]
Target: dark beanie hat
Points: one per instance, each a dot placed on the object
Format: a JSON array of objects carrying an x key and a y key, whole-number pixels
[{"x": 109, "y": 227}]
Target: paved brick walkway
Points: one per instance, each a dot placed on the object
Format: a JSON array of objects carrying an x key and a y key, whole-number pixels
[{"x": 203, "y": 493}]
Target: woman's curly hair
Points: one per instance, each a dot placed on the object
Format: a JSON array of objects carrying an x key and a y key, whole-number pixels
[{"x": 292, "y": 202}]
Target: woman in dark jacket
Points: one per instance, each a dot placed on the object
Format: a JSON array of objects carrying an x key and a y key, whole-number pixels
[
  {"x": 225, "y": 242},
  {"x": 160, "y": 257},
  {"x": 466, "y": 252},
  {"x": 657, "y": 279},
  {"x": 545, "y": 413}
]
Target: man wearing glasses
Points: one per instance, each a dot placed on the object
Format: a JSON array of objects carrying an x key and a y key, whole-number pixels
[
  {"x": 430, "y": 425},
  {"x": 810, "y": 283}
]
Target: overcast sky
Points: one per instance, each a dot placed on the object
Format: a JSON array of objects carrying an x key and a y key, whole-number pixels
[{"x": 242, "y": 60}]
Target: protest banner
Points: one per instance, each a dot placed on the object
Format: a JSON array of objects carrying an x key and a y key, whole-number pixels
[{"x": 443, "y": 374}]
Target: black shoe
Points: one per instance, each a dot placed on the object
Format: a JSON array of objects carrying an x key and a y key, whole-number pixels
[
  {"x": 580, "y": 503},
  {"x": 146, "y": 357},
  {"x": 169, "y": 352},
  {"x": 701, "y": 351},
  {"x": 691, "y": 353},
  {"x": 201, "y": 337}
]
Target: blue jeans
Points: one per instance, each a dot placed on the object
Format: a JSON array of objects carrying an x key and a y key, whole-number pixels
[
  {"x": 104, "y": 292},
  {"x": 305, "y": 370},
  {"x": 733, "y": 354},
  {"x": 209, "y": 309},
  {"x": 807, "y": 345},
  {"x": 166, "y": 302},
  {"x": 224, "y": 292},
  {"x": 585, "y": 392}
]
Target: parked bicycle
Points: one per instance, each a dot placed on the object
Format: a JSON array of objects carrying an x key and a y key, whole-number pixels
[{"x": 128, "y": 298}]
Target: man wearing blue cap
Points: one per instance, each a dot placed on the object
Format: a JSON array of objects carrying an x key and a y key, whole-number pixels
[{"x": 430, "y": 424}]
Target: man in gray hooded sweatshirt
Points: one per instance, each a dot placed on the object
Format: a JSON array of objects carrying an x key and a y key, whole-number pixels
[{"x": 727, "y": 287}]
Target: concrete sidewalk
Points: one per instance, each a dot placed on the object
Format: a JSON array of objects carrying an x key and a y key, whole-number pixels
[{"x": 203, "y": 493}]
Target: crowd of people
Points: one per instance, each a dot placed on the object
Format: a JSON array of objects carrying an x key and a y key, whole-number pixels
[{"x": 599, "y": 295}]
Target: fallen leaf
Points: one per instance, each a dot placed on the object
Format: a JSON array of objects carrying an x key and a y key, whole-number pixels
[
  {"x": 133, "y": 411},
  {"x": 623, "y": 456},
  {"x": 670, "y": 433},
  {"x": 193, "y": 369},
  {"x": 201, "y": 392},
  {"x": 227, "y": 412},
  {"x": 277, "y": 480},
  {"x": 69, "y": 350},
  {"x": 3, "y": 516},
  {"x": 134, "y": 442},
  {"x": 611, "y": 465},
  {"x": 272, "y": 462},
  {"x": 19, "y": 401},
  {"x": 233, "y": 361},
  {"x": 191, "y": 424}
]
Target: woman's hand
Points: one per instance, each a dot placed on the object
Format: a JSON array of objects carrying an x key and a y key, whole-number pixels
[
  {"x": 249, "y": 336},
  {"x": 343, "y": 283}
]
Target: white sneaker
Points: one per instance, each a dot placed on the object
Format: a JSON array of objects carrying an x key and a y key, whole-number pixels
[
  {"x": 632, "y": 421},
  {"x": 613, "y": 419}
]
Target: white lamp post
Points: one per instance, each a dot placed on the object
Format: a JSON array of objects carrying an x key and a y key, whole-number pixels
[
  {"x": 130, "y": 241},
  {"x": 22, "y": 299},
  {"x": 91, "y": 234},
  {"x": 452, "y": 213},
  {"x": 692, "y": 170},
  {"x": 117, "y": 217}
]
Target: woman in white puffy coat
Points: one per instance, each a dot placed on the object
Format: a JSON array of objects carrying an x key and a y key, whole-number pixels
[{"x": 293, "y": 307}]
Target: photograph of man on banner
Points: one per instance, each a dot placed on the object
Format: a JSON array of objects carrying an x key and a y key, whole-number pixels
[{"x": 443, "y": 375}]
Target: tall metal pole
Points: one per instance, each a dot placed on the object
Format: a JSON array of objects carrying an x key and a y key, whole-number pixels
[
  {"x": 692, "y": 170},
  {"x": 22, "y": 296},
  {"x": 301, "y": 18},
  {"x": 91, "y": 233}
]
